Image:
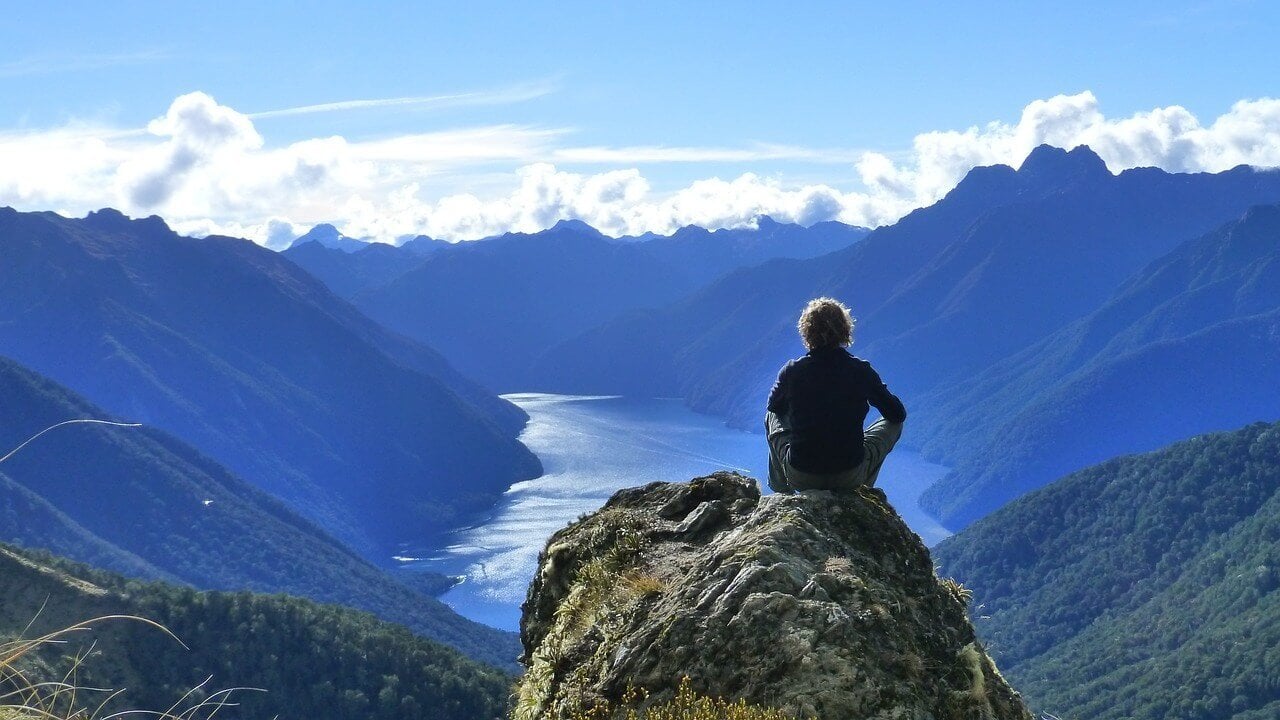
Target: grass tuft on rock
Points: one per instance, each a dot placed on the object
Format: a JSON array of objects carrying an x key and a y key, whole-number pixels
[{"x": 686, "y": 705}]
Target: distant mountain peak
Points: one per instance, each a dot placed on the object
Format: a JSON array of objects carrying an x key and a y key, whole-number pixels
[
  {"x": 424, "y": 245},
  {"x": 982, "y": 181},
  {"x": 330, "y": 237},
  {"x": 323, "y": 231},
  {"x": 112, "y": 220},
  {"x": 574, "y": 225},
  {"x": 1046, "y": 168},
  {"x": 107, "y": 214},
  {"x": 1052, "y": 163}
]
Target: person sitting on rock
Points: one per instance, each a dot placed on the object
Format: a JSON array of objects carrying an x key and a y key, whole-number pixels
[{"x": 818, "y": 406}]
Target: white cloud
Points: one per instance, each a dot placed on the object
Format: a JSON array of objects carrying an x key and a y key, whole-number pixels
[
  {"x": 196, "y": 131},
  {"x": 206, "y": 168}
]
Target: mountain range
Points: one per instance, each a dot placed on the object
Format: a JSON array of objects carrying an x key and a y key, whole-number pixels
[
  {"x": 303, "y": 419},
  {"x": 1147, "y": 586},
  {"x": 235, "y": 350},
  {"x": 495, "y": 306},
  {"x": 1189, "y": 344},
  {"x": 141, "y": 502},
  {"x": 1004, "y": 261}
]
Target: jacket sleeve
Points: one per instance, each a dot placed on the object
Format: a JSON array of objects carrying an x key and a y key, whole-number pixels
[
  {"x": 780, "y": 396},
  {"x": 890, "y": 407}
]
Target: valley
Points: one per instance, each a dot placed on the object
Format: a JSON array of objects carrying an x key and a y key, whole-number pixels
[
  {"x": 326, "y": 422},
  {"x": 432, "y": 361},
  {"x": 592, "y": 447}
]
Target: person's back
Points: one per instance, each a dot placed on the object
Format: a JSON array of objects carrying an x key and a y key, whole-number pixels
[{"x": 818, "y": 406}]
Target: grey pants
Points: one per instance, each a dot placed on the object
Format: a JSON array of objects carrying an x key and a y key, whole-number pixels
[{"x": 877, "y": 441}]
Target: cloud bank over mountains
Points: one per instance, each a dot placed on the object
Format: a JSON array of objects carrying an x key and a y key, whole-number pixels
[{"x": 207, "y": 168}]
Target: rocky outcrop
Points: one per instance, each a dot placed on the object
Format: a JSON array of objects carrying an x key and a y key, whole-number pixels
[{"x": 815, "y": 605}]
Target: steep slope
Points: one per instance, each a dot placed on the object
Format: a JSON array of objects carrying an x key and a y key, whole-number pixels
[
  {"x": 1005, "y": 260},
  {"x": 28, "y": 520},
  {"x": 495, "y": 305},
  {"x": 1190, "y": 344},
  {"x": 1144, "y": 587},
  {"x": 138, "y": 501},
  {"x": 734, "y": 327},
  {"x": 307, "y": 660},
  {"x": 237, "y": 351},
  {"x": 807, "y": 604}
]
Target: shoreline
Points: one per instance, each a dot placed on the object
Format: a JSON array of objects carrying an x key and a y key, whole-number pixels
[{"x": 590, "y": 447}]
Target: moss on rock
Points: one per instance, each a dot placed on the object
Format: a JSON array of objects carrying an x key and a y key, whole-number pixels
[{"x": 810, "y": 606}]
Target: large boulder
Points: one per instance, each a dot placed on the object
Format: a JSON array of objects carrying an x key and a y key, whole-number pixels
[{"x": 815, "y": 605}]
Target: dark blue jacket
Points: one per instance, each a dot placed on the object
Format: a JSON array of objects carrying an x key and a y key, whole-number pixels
[{"x": 824, "y": 397}]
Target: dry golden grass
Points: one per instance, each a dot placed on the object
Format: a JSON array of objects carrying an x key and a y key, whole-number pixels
[
  {"x": 23, "y": 697},
  {"x": 838, "y": 565},
  {"x": 643, "y": 584}
]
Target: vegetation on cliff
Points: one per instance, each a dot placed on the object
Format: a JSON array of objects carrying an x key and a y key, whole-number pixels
[
  {"x": 246, "y": 357},
  {"x": 812, "y": 605},
  {"x": 306, "y": 660},
  {"x": 142, "y": 503},
  {"x": 1144, "y": 587}
]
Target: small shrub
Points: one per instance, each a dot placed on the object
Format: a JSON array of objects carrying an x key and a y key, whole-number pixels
[
  {"x": 961, "y": 593},
  {"x": 593, "y": 587}
]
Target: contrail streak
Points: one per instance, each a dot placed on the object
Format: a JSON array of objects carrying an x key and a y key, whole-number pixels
[{"x": 487, "y": 97}]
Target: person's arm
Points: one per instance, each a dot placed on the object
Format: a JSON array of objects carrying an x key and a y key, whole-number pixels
[
  {"x": 780, "y": 396},
  {"x": 890, "y": 407}
]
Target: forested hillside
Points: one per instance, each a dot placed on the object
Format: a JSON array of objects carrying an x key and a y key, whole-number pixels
[
  {"x": 140, "y": 502},
  {"x": 1005, "y": 260},
  {"x": 314, "y": 661},
  {"x": 238, "y": 352},
  {"x": 1189, "y": 344},
  {"x": 1143, "y": 587}
]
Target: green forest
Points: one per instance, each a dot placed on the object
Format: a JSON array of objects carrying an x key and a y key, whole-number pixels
[
  {"x": 1143, "y": 587},
  {"x": 142, "y": 503},
  {"x": 299, "y": 659}
]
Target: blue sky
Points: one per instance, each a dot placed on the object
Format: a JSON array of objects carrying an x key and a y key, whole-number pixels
[{"x": 793, "y": 94}]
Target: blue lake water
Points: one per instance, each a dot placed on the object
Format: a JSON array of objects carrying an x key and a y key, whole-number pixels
[{"x": 592, "y": 446}]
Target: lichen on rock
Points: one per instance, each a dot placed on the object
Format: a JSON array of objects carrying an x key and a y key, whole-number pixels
[{"x": 817, "y": 605}]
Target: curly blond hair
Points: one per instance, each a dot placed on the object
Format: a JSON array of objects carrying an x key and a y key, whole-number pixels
[{"x": 825, "y": 323}]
